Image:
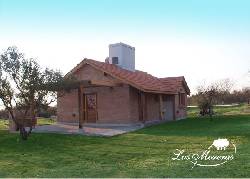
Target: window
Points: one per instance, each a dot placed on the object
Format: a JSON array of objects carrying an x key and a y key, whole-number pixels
[
  {"x": 182, "y": 99},
  {"x": 115, "y": 60}
]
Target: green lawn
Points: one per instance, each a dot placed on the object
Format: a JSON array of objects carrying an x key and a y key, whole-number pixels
[
  {"x": 45, "y": 121},
  {"x": 3, "y": 124},
  {"x": 144, "y": 153}
]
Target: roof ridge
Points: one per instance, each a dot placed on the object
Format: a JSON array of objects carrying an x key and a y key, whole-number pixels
[{"x": 138, "y": 79}]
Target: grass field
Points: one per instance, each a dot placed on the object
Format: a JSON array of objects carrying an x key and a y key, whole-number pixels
[
  {"x": 40, "y": 121},
  {"x": 227, "y": 110},
  {"x": 144, "y": 153},
  {"x": 45, "y": 121}
]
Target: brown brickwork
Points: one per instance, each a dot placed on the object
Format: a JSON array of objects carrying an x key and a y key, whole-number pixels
[
  {"x": 180, "y": 110},
  {"x": 119, "y": 104},
  {"x": 67, "y": 107}
]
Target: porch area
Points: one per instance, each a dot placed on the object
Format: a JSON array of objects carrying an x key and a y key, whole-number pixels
[{"x": 106, "y": 130}]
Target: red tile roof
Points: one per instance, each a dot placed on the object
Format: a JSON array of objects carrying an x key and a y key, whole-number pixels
[{"x": 138, "y": 79}]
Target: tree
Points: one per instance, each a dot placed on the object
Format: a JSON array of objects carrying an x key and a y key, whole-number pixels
[
  {"x": 25, "y": 88},
  {"x": 206, "y": 98},
  {"x": 214, "y": 93}
]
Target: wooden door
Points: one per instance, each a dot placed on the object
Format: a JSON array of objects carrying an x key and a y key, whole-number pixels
[
  {"x": 91, "y": 107},
  {"x": 168, "y": 108},
  {"x": 169, "y": 115}
]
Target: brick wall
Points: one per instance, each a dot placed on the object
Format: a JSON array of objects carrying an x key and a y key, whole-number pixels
[
  {"x": 133, "y": 104},
  {"x": 180, "y": 110},
  {"x": 113, "y": 103},
  {"x": 87, "y": 72},
  {"x": 67, "y": 107}
]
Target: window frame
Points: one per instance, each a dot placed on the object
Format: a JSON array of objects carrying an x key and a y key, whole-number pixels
[{"x": 182, "y": 99}]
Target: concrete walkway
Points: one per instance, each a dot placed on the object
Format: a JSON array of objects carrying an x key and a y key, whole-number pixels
[{"x": 89, "y": 129}]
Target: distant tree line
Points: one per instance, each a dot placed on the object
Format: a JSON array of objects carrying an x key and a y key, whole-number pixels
[
  {"x": 46, "y": 112},
  {"x": 236, "y": 96},
  {"x": 219, "y": 92}
]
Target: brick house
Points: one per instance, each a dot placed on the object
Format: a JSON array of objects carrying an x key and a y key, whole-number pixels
[{"x": 114, "y": 92}]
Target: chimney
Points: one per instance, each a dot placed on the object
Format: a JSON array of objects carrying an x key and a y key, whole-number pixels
[{"x": 122, "y": 55}]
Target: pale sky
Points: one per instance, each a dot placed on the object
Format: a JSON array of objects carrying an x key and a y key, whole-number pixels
[{"x": 201, "y": 40}]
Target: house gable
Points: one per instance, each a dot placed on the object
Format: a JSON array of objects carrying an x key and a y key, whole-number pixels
[{"x": 87, "y": 72}]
